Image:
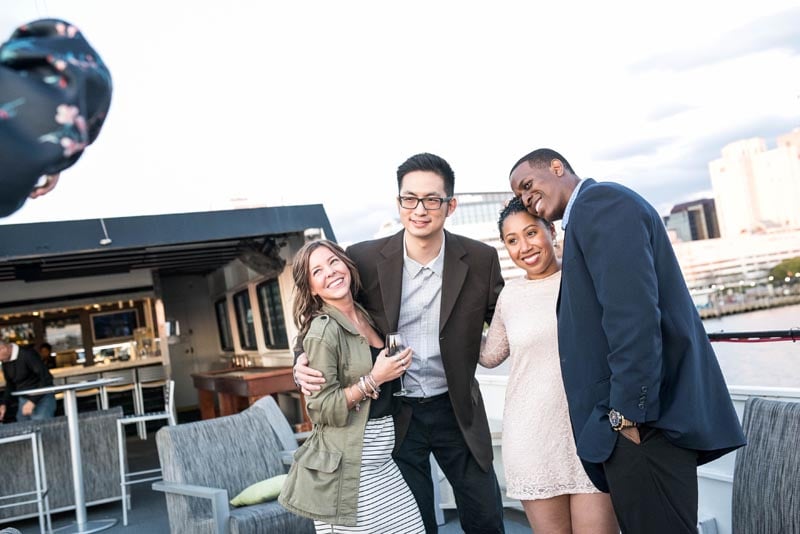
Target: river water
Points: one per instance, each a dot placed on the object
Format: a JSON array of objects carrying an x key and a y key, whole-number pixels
[
  {"x": 759, "y": 364},
  {"x": 747, "y": 364}
]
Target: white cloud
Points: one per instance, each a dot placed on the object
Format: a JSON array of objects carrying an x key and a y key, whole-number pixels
[{"x": 318, "y": 102}]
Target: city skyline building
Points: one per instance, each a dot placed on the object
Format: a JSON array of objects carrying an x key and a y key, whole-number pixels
[
  {"x": 757, "y": 188},
  {"x": 742, "y": 261},
  {"x": 693, "y": 220}
]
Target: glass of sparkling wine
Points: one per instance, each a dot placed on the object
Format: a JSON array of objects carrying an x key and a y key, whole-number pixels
[{"x": 395, "y": 344}]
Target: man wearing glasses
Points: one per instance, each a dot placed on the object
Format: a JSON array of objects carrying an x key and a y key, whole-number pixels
[{"x": 437, "y": 289}]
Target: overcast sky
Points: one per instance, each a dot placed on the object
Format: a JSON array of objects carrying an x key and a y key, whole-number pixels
[{"x": 255, "y": 103}]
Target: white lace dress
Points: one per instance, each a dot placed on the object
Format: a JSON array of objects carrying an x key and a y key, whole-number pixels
[{"x": 539, "y": 455}]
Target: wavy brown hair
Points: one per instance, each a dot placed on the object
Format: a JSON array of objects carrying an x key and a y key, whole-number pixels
[{"x": 306, "y": 305}]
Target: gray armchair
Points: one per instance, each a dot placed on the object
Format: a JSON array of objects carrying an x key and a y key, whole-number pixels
[
  {"x": 766, "y": 484},
  {"x": 97, "y": 430},
  {"x": 206, "y": 463},
  {"x": 284, "y": 434}
]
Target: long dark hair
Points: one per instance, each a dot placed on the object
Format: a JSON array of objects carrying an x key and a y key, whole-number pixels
[{"x": 306, "y": 305}]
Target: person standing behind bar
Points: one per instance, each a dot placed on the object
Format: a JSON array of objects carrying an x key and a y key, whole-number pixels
[
  {"x": 23, "y": 369},
  {"x": 437, "y": 289},
  {"x": 46, "y": 353},
  {"x": 646, "y": 396}
]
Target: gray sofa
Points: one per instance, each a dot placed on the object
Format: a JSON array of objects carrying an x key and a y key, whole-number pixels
[
  {"x": 206, "y": 463},
  {"x": 98, "y": 436}
]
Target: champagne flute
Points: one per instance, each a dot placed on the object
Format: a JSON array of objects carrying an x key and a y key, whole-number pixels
[{"x": 394, "y": 345}]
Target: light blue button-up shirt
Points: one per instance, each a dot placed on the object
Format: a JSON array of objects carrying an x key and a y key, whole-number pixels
[
  {"x": 568, "y": 209},
  {"x": 418, "y": 322}
]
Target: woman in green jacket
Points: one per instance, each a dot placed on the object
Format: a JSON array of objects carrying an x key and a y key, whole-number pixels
[{"x": 343, "y": 476}]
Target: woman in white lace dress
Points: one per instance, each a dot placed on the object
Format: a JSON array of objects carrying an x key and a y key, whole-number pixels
[{"x": 541, "y": 465}]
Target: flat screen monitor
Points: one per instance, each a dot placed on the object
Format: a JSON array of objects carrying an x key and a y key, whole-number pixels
[{"x": 110, "y": 327}]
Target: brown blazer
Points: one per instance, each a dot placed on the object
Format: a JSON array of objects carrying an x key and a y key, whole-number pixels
[{"x": 470, "y": 285}]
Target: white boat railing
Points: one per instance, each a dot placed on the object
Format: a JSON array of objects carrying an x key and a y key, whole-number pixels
[{"x": 715, "y": 479}]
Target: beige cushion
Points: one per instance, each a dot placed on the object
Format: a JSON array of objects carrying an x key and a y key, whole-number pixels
[{"x": 263, "y": 491}]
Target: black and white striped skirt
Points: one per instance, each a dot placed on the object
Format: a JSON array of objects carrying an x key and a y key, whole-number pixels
[{"x": 385, "y": 504}]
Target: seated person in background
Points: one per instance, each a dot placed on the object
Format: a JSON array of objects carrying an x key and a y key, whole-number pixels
[
  {"x": 23, "y": 369},
  {"x": 54, "y": 95},
  {"x": 343, "y": 475},
  {"x": 46, "y": 353}
]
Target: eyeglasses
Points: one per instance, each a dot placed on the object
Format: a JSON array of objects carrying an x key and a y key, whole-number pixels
[{"x": 429, "y": 203}]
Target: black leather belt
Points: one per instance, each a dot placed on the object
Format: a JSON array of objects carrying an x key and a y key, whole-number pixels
[{"x": 424, "y": 400}]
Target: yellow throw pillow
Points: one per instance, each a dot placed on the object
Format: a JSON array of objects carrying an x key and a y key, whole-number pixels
[{"x": 263, "y": 491}]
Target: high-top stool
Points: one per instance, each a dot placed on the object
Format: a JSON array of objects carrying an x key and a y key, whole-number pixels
[
  {"x": 149, "y": 377},
  {"x": 126, "y": 477},
  {"x": 126, "y": 382},
  {"x": 40, "y": 478},
  {"x": 80, "y": 394}
]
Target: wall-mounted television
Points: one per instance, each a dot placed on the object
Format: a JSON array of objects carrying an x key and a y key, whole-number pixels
[{"x": 114, "y": 326}]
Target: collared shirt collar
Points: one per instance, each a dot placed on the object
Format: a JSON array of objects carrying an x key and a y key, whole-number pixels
[
  {"x": 414, "y": 267},
  {"x": 14, "y": 353},
  {"x": 572, "y": 197}
]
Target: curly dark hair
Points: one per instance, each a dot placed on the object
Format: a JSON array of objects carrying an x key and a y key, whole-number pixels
[{"x": 513, "y": 206}]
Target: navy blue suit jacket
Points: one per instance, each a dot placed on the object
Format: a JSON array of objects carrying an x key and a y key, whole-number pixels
[{"x": 630, "y": 336}]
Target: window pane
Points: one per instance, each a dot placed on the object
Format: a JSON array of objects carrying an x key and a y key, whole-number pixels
[
  {"x": 64, "y": 334},
  {"x": 21, "y": 333},
  {"x": 223, "y": 325},
  {"x": 244, "y": 320},
  {"x": 269, "y": 300}
]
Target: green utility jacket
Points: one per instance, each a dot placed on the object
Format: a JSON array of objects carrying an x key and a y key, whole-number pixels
[{"x": 323, "y": 480}]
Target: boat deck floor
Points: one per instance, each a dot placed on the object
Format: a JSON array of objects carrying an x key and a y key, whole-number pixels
[{"x": 148, "y": 513}]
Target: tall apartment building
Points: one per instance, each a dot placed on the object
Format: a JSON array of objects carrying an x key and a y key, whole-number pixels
[
  {"x": 756, "y": 188},
  {"x": 694, "y": 220}
]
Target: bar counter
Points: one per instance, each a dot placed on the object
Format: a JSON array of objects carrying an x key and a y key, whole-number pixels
[
  {"x": 99, "y": 367},
  {"x": 239, "y": 387}
]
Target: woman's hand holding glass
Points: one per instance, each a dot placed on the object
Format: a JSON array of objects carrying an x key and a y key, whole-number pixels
[{"x": 387, "y": 368}]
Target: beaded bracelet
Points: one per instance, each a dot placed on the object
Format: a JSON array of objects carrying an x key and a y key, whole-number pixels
[
  {"x": 374, "y": 385},
  {"x": 356, "y": 405},
  {"x": 365, "y": 382},
  {"x": 361, "y": 384}
]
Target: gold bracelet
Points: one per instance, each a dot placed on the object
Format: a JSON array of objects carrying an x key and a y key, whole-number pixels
[
  {"x": 373, "y": 384},
  {"x": 365, "y": 388},
  {"x": 362, "y": 388}
]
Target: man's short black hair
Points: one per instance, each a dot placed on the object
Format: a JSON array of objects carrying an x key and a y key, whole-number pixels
[
  {"x": 428, "y": 162},
  {"x": 541, "y": 158}
]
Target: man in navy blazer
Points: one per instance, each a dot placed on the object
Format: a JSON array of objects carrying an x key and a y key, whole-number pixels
[{"x": 647, "y": 399}]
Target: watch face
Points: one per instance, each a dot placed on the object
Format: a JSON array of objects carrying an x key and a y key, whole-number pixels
[{"x": 615, "y": 418}]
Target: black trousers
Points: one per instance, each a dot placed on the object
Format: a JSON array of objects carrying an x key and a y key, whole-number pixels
[
  {"x": 653, "y": 485},
  {"x": 434, "y": 429}
]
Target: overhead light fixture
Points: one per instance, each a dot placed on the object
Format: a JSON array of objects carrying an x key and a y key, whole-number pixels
[{"x": 106, "y": 240}]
